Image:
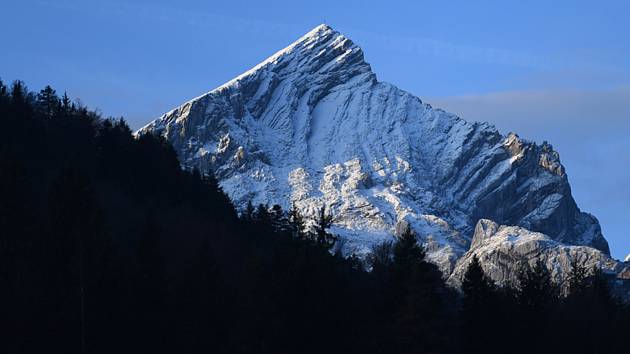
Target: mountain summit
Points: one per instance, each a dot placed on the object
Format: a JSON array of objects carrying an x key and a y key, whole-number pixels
[{"x": 312, "y": 126}]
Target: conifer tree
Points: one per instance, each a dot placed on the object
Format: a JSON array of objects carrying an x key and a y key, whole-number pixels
[
  {"x": 48, "y": 102},
  {"x": 322, "y": 223},
  {"x": 532, "y": 304},
  {"x": 421, "y": 320},
  {"x": 577, "y": 278},
  {"x": 66, "y": 104},
  {"x": 279, "y": 221},
  {"x": 536, "y": 290},
  {"x": 380, "y": 259},
  {"x": 19, "y": 94},
  {"x": 4, "y": 93},
  {"x": 408, "y": 254},
  {"x": 599, "y": 286},
  {"x": 296, "y": 223},
  {"x": 262, "y": 216},
  {"x": 478, "y": 315},
  {"x": 476, "y": 286}
]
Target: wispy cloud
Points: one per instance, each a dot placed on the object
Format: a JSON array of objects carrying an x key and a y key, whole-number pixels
[
  {"x": 173, "y": 15},
  {"x": 581, "y": 112},
  {"x": 457, "y": 51}
]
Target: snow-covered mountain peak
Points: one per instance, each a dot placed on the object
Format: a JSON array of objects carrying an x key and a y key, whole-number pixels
[
  {"x": 627, "y": 259},
  {"x": 322, "y": 48},
  {"x": 318, "y": 33},
  {"x": 311, "y": 126}
]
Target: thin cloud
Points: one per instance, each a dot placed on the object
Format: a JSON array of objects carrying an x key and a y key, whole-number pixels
[
  {"x": 175, "y": 15},
  {"x": 578, "y": 111},
  {"x": 466, "y": 53}
]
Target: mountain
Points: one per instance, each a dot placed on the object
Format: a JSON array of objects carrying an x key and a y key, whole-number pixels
[{"x": 312, "y": 126}]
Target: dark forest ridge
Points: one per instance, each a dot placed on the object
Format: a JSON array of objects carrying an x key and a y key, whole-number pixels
[{"x": 107, "y": 245}]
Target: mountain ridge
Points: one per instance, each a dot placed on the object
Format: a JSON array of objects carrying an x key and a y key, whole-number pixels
[{"x": 311, "y": 125}]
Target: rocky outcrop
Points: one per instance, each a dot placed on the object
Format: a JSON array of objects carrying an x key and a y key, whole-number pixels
[
  {"x": 504, "y": 250},
  {"x": 312, "y": 125}
]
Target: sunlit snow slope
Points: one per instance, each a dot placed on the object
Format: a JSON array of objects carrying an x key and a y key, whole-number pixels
[{"x": 312, "y": 125}]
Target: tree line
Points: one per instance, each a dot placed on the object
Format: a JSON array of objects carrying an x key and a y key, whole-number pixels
[{"x": 107, "y": 245}]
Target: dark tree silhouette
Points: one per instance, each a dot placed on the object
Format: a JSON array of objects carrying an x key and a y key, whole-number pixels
[
  {"x": 536, "y": 291},
  {"x": 322, "y": 223},
  {"x": 47, "y": 102},
  {"x": 478, "y": 307},
  {"x": 296, "y": 223}
]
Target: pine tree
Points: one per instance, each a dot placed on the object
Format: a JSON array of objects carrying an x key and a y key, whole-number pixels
[
  {"x": 408, "y": 254},
  {"x": 67, "y": 106},
  {"x": 421, "y": 320},
  {"x": 322, "y": 223},
  {"x": 600, "y": 286},
  {"x": 476, "y": 286},
  {"x": 296, "y": 223},
  {"x": 262, "y": 217},
  {"x": 380, "y": 259},
  {"x": 478, "y": 314},
  {"x": 279, "y": 221},
  {"x": 48, "y": 102},
  {"x": 533, "y": 302},
  {"x": 4, "y": 93},
  {"x": 536, "y": 290},
  {"x": 588, "y": 311},
  {"x": 19, "y": 94},
  {"x": 578, "y": 277}
]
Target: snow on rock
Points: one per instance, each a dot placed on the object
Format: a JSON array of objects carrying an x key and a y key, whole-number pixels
[
  {"x": 627, "y": 259},
  {"x": 504, "y": 250},
  {"x": 312, "y": 125}
]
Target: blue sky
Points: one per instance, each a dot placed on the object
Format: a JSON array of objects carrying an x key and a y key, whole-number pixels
[{"x": 556, "y": 71}]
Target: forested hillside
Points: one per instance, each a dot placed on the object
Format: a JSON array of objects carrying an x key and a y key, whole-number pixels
[{"x": 108, "y": 246}]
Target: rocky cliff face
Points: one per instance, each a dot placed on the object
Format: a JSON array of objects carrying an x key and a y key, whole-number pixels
[
  {"x": 504, "y": 250},
  {"x": 312, "y": 125}
]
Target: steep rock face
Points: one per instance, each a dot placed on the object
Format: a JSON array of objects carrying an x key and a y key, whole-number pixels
[
  {"x": 312, "y": 125},
  {"x": 504, "y": 250}
]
